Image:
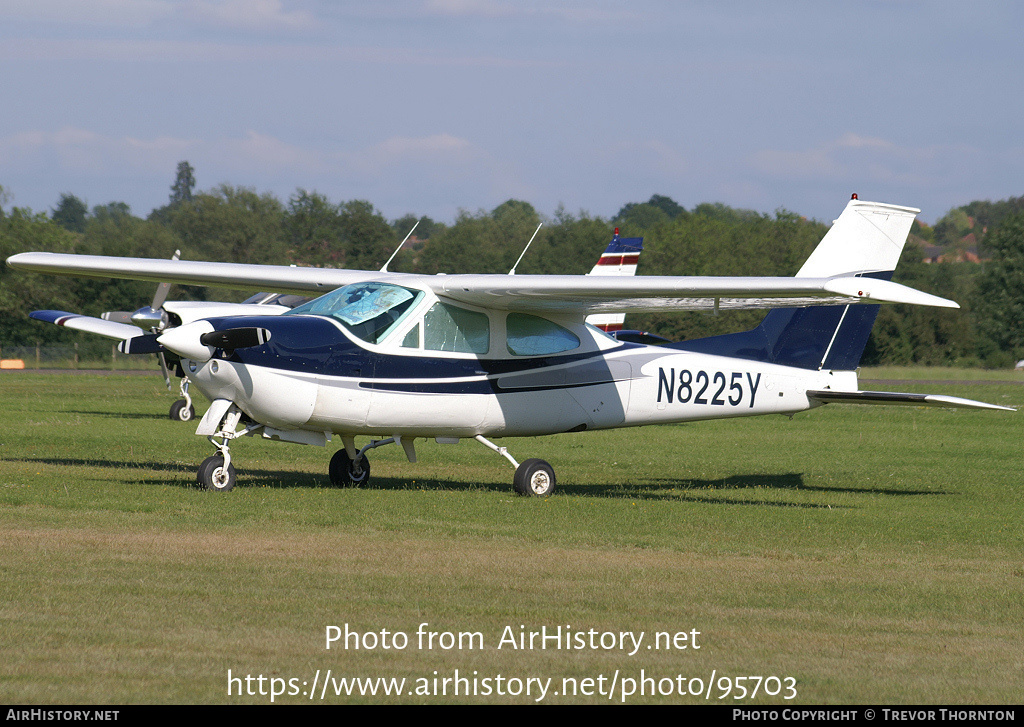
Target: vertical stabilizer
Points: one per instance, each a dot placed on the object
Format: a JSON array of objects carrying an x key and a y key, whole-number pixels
[
  {"x": 619, "y": 258},
  {"x": 866, "y": 240},
  {"x": 868, "y": 237}
]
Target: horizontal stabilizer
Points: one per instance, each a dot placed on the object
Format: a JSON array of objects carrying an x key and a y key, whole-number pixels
[
  {"x": 110, "y": 329},
  {"x": 895, "y": 398}
]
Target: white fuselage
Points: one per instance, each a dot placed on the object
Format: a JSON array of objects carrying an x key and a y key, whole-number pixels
[{"x": 635, "y": 385}]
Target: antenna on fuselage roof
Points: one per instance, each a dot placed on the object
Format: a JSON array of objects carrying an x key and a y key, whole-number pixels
[
  {"x": 385, "y": 268},
  {"x": 513, "y": 270}
]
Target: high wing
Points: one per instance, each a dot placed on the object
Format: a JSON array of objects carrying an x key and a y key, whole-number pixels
[
  {"x": 566, "y": 293},
  {"x": 557, "y": 293},
  {"x": 851, "y": 264}
]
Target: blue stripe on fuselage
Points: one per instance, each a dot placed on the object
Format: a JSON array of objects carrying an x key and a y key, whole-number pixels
[{"x": 314, "y": 345}]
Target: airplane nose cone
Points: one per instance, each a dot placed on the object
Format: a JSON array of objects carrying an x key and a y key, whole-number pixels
[{"x": 184, "y": 341}]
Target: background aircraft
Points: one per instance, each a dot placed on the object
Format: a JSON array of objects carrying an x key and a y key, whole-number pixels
[{"x": 454, "y": 357}]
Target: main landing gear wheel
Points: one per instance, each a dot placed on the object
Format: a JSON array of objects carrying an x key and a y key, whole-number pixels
[
  {"x": 182, "y": 411},
  {"x": 534, "y": 477},
  {"x": 213, "y": 476},
  {"x": 343, "y": 470}
]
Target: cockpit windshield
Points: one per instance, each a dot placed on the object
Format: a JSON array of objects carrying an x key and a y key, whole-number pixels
[{"x": 369, "y": 311}]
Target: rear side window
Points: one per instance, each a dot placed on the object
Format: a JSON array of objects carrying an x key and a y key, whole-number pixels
[
  {"x": 449, "y": 328},
  {"x": 528, "y": 335}
]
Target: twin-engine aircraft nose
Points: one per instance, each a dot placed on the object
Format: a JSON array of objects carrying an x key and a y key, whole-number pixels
[{"x": 197, "y": 341}]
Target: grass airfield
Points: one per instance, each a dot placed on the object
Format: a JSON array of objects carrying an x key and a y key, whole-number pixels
[{"x": 868, "y": 554}]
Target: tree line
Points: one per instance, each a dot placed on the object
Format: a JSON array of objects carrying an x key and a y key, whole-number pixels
[{"x": 237, "y": 224}]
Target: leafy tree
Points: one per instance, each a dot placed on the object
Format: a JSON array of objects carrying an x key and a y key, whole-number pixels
[
  {"x": 112, "y": 230},
  {"x": 728, "y": 242},
  {"x": 1000, "y": 297},
  {"x": 953, "y": 226},
  {"x": 368, "y": 239},
  {"x": 921, "y": 334},
  {"x": 21, "y": 230},
  {"x": 227, "y": 224},
  {"x": 70, "y": 213},
  {"x": 484, "y": 242},
  {"x": 184, "y": 183},
  {"x": 922, "y": 231},
  {"x": 637, "y": 219},
  {"x": 569, "y": 246},
  {"x": 669, "y": 206},
  {"x": 719, "y": 211},
  {"x": 112, "y": 210},
  {"x": 424, "y": 230},
  {"x": 313, "y": 229},
  {"x": 347, "y": 235}
]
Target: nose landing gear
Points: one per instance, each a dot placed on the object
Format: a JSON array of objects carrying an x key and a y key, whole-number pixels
[
  {"x": 182, "y": 410},
  {"x": 216, "y": 472}
]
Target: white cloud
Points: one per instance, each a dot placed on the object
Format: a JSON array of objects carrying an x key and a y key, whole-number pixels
[
  {"x": 435, "y": 149},
  {"x": 485, "y": 8},
  {"x": 246, "y": 14},
  {"x": 856, "y": 157},
  {"x": 257, "y": 153},
  {"x": 122, "y": 13},
  {"x": 132, "y": 14},
  {"x": 586, "y": 11},
  {"x": 81, "y": 150}
]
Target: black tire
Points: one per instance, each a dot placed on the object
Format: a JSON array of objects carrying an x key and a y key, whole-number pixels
[
  {"x": 343, "y": 472},
  {"x": 534, "y": 477},
  {"x": 182, "y": 413},
  {"x": 212, "y": 475}
]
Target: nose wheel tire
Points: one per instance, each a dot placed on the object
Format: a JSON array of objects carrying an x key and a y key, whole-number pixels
[
  {"x": 344, "y": 473},
  {"x": 181, "y": 411},
  {"x": 213, "y": 476},
  {"x": 534, "y": 477}
]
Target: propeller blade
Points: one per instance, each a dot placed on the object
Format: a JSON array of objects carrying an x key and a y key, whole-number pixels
[
  {"x": 161, "y": 290},
  {"x": 119, "y": 316},
  {"x": 163, "y": 368},
  {"x": 233, "y": 338}
]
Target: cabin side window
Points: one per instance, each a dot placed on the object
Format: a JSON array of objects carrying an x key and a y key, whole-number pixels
[
  {"x": 412, "y": 338},
  {"x": 449, "y": 328},
  {"x": 527, "y": 335}
]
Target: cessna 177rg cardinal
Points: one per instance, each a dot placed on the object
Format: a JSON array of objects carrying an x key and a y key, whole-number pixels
[{"x": 402, "y": 356}]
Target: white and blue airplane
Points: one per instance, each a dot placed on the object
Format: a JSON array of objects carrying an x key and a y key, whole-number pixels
[{"x": 404, "y": 356}]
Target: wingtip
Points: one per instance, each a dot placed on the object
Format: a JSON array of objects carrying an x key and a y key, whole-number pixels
[{"x": 873, "y": 290}]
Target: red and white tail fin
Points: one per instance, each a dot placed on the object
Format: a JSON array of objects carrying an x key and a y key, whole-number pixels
[{"x": 620, "y": 259}]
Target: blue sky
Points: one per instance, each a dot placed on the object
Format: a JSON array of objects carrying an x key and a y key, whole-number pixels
[{"x": 432, "y": 106}]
